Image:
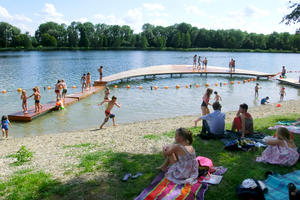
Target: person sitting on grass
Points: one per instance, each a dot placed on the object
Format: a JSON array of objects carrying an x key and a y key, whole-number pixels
[
  {"x": 216, "y": 123},
  {"x": 264, "y": 101},
  {"x": 181, "y": 166},
  {"x": 243, "y": 121},
  {"x": 281, "y": 150}
]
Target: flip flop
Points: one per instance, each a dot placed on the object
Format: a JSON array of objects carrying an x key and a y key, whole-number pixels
[
  {"x": 136, "y": 175},
  {"x": 126, "y": 177}
]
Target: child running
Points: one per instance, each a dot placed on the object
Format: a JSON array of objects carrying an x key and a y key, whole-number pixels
[
  {"x": 4, "y": 125},
  {"x": 180, "y": 165},
  {"x": 108, "y": 114},
  {"x": 37, "y": 97},
  {"x": 88, "y": 80},
  {"x": 218, "y": 98},
  {"x": 282, "y": 93},
  {"x": 83, "y": 82},
  {"x": 24, "y": 101}
]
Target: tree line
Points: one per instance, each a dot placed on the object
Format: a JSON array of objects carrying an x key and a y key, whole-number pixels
[{"x": 183, "y": 35}]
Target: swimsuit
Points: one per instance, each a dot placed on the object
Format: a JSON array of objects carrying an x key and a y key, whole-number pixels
[
  {"x": 4, "y": 125},
  {"x": 108, "y": 115},
  {"x": 204, "y": 102},
  {"x": 64, "y": 91},
  {"x": 37, "y": 101}
]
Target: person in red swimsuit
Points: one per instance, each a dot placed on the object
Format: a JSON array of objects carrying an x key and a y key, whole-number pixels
[{"x": 243, "y": 121}]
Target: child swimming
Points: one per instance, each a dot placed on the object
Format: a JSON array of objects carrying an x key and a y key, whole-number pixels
[
  {"x": 108, "y": 114},
  {"x": 4, "y": 125},
  {"x": 24, "y": 101}
]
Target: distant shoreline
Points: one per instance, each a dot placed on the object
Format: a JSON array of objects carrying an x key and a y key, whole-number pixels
[{"x": 147, "y": 49}]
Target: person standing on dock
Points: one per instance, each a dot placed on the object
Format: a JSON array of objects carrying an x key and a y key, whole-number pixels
[
  {"x": 108, "y": 114},
  {"x": 283, "y": 72},
  {"x": 199, "y": 63},
  {"x": 65, "y": 89},
  {"x": 194, "y": 62},
  {"x": 83, "y": 82},
  {"x": 57, "y": 90},
  {"x": 233, "y": 65},
  {"x": 88, "y": 81},
  {"x": 205, "y": 63},
  {"x": 37, "y": 97},
  {"x": 100, "y": 70},
  {"x": 230, "y": 65}
]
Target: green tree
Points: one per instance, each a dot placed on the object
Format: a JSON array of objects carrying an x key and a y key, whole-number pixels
[
  {"x": 7, "y": 34},
  {"x": 59, "y": 32},
  {"x": 73, "y": 33},
  {"x": 294, "y": 16},
  {"x": 144, "y": 42},
  {"x": 48, "y": 40}
]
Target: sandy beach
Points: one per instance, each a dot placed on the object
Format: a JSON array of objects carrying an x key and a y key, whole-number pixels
[{"x": 52, "y": 154}]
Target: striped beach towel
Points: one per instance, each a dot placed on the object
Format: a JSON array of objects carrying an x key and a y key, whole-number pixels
[
  {"x": 161, "y": 188},
  {"x": 291, "y": 128},
  {"x": 277, "y": 185}
]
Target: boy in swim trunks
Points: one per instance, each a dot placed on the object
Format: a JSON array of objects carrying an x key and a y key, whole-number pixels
[
  {"x": 108, "y": 114},
  {"x": 256, "y": 89},
  {"x": 37, "y": 97},
  {"x": 282, "y": 93}
]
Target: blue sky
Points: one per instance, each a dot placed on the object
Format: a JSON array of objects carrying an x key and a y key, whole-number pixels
[{"x": 260, "y": 16}]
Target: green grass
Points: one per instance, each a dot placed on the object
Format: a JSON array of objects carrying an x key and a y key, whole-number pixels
[
  {"x": 23, "y": 155},
  {"x": 79, "y": 145},
  {"x": 241, "y": 165}
]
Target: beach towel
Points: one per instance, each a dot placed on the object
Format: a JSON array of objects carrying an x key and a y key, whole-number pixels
[
  {"x": 277, "y": 185},
  {"x": 291, "y": 128},
  {"x": 286, "y": 123},
  {"x": 161, "y": 188}
]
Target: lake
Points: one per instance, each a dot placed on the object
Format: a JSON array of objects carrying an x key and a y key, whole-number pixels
[{"x": 29, "y": 69}]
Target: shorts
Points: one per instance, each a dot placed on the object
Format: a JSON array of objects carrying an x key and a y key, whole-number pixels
[
  {"x": 57, "y": 91},
  {"x": 204, "y": 104},
  {"x": 64, "y": 91},
  {"x": 37, "y": 101},
  {"x": 281, "y": 95},
  {"x": 5, "y": 127},
  {"x": 108, "y": 115},
  {"x": 237, "y": 123}
]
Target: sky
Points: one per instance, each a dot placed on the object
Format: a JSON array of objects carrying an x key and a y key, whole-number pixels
[{"x": 259, "y": 16}]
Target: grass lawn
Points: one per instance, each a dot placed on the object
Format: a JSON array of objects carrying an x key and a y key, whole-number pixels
[{"x": 241, "y": 165}]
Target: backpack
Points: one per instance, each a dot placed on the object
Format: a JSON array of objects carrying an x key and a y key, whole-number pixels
[
  {"x": 253, "y": 192},
  {"x": 205, "y": 166}
]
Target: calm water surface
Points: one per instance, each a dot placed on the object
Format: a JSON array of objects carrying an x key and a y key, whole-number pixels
[{"x": 28, "y": 69}]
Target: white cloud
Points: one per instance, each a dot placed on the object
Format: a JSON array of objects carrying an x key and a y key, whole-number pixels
[
  {"x": 109, "y": 19},
  {"x": 204, "y": 1},
  {"x": 153, "y": 6},
  {"x": 190, "y": 9},
  {"x": 248, "y": 12},
  {"x": 4, "y": 14},
  {"x": 158, "y": 14},
  {"x": 82, "y": 20},
  {"x": 50, "y": 14}
]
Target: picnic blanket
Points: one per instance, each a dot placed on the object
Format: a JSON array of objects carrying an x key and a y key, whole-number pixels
[
  {"x": 291, "y": 128},
  {"x": 162, "y": 188},
  {"x": 277, "y": 185}
]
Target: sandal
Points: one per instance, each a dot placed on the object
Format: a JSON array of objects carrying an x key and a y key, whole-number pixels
[
  {"x": 137, "y": 175},
  {"x": 126, "y": 177}
]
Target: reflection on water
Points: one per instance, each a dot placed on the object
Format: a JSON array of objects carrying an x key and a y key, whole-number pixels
[{"x": 28, "y": 69}]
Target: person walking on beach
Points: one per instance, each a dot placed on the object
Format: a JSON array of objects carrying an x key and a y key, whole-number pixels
[
  {"x": 100, "y": 70},
  {"x": 65, "y": 89},
  {"x": 108, "y": 114},
  {"x": 199, "y": 63},
  {"x": 83, "y": 82},
  {"x": 195, "y": 62},
  {"x": 24, "y": 101},
  {"x": 57, "y": 90},
  {"x": 4, "y": 125},
  {"x": 88, "y": 80},
  {"x": 282, "y": 93}
]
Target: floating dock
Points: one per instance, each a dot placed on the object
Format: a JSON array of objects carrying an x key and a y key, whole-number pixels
[
  {"x": 289, "y": 81},
  {"x": 51, "y": 106},
  {"x": 178, "y": 69}
]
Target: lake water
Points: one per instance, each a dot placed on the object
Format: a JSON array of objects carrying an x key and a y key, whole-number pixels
[{"x": 28, "y": 69}]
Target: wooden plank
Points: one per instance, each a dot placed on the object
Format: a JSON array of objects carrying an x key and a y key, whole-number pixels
[
  {"x": 289, "y": 81},
  {"x": 180, "y": 69},
  {"x": 50, "y": 106}
]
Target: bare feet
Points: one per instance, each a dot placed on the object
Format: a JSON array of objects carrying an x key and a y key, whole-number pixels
[
  {"x": 196, "y": 123},
  {"x": 115, "y": 125}
]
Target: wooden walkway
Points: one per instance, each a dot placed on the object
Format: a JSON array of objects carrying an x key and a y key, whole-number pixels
[
  {"x": 178, "y": 69},
  {"x": 289, "y": 81},
  {"x": 51, "y": 106}
]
